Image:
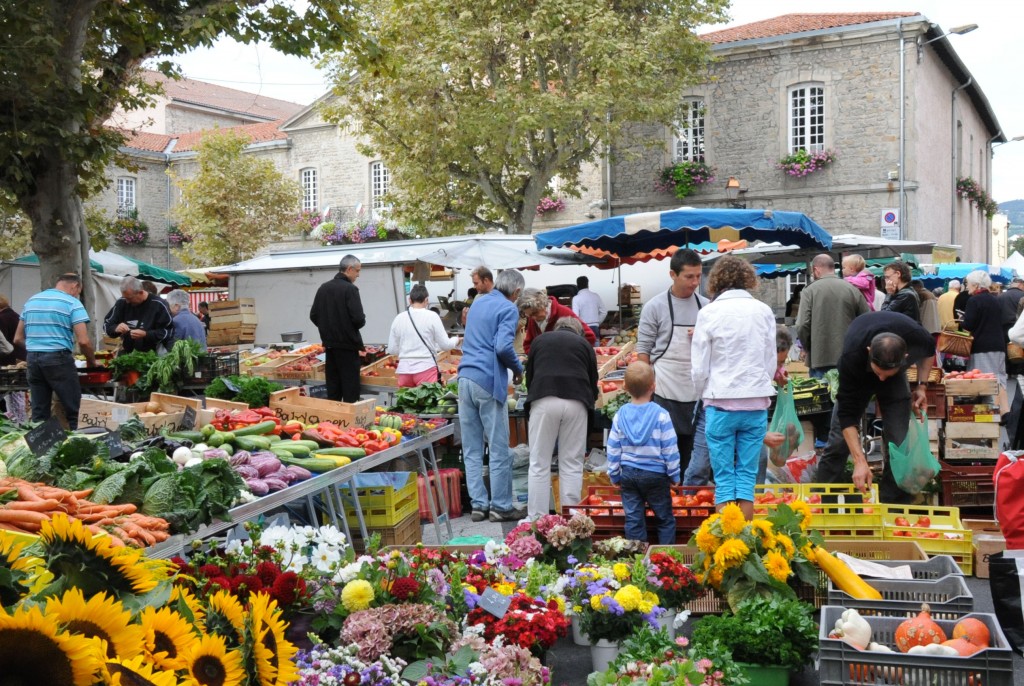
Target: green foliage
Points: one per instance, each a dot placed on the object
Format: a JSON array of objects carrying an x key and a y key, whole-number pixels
[
  {"x": 135, "y": 361},
  {"x": 967, "y": 187},
  {"x": 769, "y": 630},
  {"x": 15, "y": 230},
  {"x": 427, "y": 398},
  {"x": 682, "y": 178},
  {"x": 477, "y": 106},
  {"x": 169, "y": 373},
  {"x": 252, "y": 390},
  {"x": 234, "y": 205}
]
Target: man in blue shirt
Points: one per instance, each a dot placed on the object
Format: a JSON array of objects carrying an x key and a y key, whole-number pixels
[
  {"x": 487, "y": 356},
  {"x": 51, "y": 323},
  {"x": 186, "y": 324}
]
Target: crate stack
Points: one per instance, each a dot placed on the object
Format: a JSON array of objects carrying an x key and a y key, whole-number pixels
[
  {"x": 935, "y": 391},
  {"x": 972, "y": 434},
  {"x": 232, "y": 322}
]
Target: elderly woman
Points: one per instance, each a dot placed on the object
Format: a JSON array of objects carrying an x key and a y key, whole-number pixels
[
  {"x": 901, "y": 297},
  {"x": 733, "y": 363},
  {"x": 541, "y": 312},
  {"x": 983, "y": 318},
  {"x": 561, "y": 384},
  {"x": 417, "y": 335},
  {"x": 186, "y": 325}
]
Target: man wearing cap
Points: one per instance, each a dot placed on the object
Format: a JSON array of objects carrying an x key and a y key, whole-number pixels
[{"x": 878, "y": 347}]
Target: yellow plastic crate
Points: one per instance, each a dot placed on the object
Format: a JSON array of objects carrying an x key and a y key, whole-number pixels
[
  {"x": 946, "y": 536},
  {"x": 843, "y": 520},
  {"x": 383, "y": 505}
]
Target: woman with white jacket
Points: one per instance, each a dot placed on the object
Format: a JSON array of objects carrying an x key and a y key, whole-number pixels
[
  {"x": 733, "y": 365},
  {"x": 417, "y": 335}
]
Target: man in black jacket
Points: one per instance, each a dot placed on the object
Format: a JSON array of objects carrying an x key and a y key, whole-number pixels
[
  {"x": 878, "y": 348},
  {"x": 338, "y": 314},
  {"x": 141, "y": 320}
]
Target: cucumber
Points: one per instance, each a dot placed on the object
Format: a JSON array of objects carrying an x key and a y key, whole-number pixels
[
  {"x": 215, "y": 440},
  {"x": 252, "y": 443},
  {"x": 194, "y": 436},
  {"x": 256, "y": 429},
  {"x": 228, "y": 448},
  {"x": 297, "y": 451},
  {"x": 310, "y": 463},
  {"x": 347, "y": 452},
  {"x": 312, "y": 445},
  {"x": 273, "y": 438}
]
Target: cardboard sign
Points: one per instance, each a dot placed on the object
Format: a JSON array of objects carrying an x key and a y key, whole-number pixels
[
  {"x": 45, "y": 436},
  {"x": 188, "y": 420},
  {"x": 494, "y": 602}
]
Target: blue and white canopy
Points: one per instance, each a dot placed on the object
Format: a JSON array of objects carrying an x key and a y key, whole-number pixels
[{"x": 636, "y": 234}]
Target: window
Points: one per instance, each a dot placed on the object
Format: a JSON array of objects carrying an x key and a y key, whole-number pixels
[
  {"x": 125, "y": 196},
  {"x": 688, "y": 143},
  {"x": 379, "y": 181},
  {"x": 806, "y": 118},
  {"x": 793, "y": 282},
  {"x": 310, "y": 190}
]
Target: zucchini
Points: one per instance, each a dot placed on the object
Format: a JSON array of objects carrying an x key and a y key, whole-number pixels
[
  {"x": 194, "y": 436},
  {"x": 843, "y": 577},
  {"x": 312, "y": 445},
  {"x": 252, "y": 443},
  {"x": 256, "y": 429},
  {"x": 310, "y": 463},
  {"x": 347, "y": 452},
  {"x": 273, "y": 438},
  {"x": 297, "y": 451}
]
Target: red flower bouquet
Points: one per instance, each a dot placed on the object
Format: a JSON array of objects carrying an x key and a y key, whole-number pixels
[
  {"x": 529, "y": 623},
  {"x": 678, "y": 584}
]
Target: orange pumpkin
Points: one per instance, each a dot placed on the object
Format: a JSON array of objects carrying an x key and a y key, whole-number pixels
[
  {"x": 962, "y": 646},
  {"x": 919, "y": 631},
  {"x": 974, "y": 630}
]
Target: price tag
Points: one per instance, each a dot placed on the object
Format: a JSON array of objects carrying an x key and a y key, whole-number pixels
[
  {"x": 120, "y": 415},
  {"x": 318, "y": 391},
  {"x": 189, "y": 420},
  {"x": 494, "y": 602},
  {"x": 114, "y": 444},
  {"x": 231, "y": 387},
  {"x": 45, "y": 436}
]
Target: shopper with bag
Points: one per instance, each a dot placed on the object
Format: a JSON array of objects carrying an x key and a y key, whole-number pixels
[
  {"x": 984, "y": 319},
  {"x": 876, "y": 351},
  {"x": 417, "y": 336}
]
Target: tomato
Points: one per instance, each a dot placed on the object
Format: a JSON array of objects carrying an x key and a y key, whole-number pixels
[
  {"x": 705, "y": 496},
  {"x": 923, "y": 521},
  {"x": 868, "y": 510},
  {"x": 902, "y": 521}
]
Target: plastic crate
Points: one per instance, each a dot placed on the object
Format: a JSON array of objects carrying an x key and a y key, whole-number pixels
[
  {"x": 384, "y": 504},
  {"x": 947, "y": 597},
  {"x": 14, "y": 376},
  {"x": 407, "y": 532},
  {"x": 603, "y": 504},
  {"x": 946, "y": 535},
  {"x": 967, "y": 485},
  {"x": 877, "y": 551},
  {"x": 211, "y": 366},
  {"x": 926, "y": 570},
  {"x": 839, "y": 663}
]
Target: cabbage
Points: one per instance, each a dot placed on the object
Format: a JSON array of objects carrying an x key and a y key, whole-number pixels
[{"x": 160, "y": 496}]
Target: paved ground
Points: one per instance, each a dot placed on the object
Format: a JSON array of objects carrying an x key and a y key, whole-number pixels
[{"x": 570, "y": 664}]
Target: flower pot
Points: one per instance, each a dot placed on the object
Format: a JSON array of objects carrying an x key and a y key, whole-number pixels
[
  {"x": 765, "y": 675},
  {"x": 578, "y": 637},
  {"x": 603, "y": 653},
  {"x": 667, "y": 621}
]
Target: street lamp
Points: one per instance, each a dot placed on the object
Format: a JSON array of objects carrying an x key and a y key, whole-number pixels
[
  {"x": 956, "y": 30},
  {"x": 733, "y": 192}
]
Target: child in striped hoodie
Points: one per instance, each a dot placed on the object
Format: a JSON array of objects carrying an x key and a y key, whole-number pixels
[{"x": 643, "y": 457}]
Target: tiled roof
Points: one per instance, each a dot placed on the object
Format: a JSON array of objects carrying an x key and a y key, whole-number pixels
[
  {"x": 155, "y": 142},
  {"x": 219, "y": 97},
  {"x": 798, "y": 23}
]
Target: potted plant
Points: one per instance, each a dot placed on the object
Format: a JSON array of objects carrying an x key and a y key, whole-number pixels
[
  {"x": 682, "y": 178},
  {"x": 129, "y": 229},
  {"x": 802, "y": 163},
  {"x": 549, "y": 204},
  {"x": 769, "y": 636},
  {"x": 553, "y": 538},
  {"x": 677, "y": 585}
]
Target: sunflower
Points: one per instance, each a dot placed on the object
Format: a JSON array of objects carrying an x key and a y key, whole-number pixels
[
  {"x": 33, "y": 650},
  {"x": 188, "y": 606},
  {"x": 706, "y": 540},
  {"x": 777, "y": 566},
  {"x": 733, "y": 520},
  {"x": 731, "y": 553},
  {"x": 765, "y": 530},
  {"x": 803, "y": 510},
  {"x": 225, "y": 617},
  {"x": 210, "y": 663},
  {"x": 90, "y": 563},
  {"x": 273, "y": 652},
  {"x": 167, "y": 635},
  {"x": 101, "y": 617},
  {"x": 788, "y": 549},
  {"x": 25, "y": 573},
  {"x": 136, "y": 672}
]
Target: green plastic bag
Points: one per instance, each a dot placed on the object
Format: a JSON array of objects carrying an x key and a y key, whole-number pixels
[
  {"x": 913, "y": 465},
  {"x": 786, "y": 422}
]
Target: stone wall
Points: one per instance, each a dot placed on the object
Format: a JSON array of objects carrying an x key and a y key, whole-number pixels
[{"x": 178, "y": 120}]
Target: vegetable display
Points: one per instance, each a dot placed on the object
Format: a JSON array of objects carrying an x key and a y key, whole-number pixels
[
  {"x": 428, "y": 398},
  {"x": 254, "y": 391}
]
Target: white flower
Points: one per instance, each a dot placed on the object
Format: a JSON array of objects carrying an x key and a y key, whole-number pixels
[
  {"x": 477, "y": 669},
  {"x": 331, "y": 534},
  {"x": 493, "y": 550},
  {"x": 348, "y": 572},
  {"x": 325, "y": 557}
]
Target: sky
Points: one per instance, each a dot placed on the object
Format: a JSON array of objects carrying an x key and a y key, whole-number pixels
[{"x": 987, "y": 52}]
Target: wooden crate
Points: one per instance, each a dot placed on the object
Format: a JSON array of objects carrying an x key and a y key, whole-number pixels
[
  {"x": 971, "y": 388},
  {"x": 406, "y": 532},
  {"x": 973, "y": 450},
  {"x": 233, "y": 321},
  {"x": 290, "y": 404},
  {"x": 972, "y": 430},
  {"x": 232, "y": 307},
  {"x": 379, "y": 374}
]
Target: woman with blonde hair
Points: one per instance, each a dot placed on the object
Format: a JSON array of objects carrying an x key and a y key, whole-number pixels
[{"x": 855, "y": 272}]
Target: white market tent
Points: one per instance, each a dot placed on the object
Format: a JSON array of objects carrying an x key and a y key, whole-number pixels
[{"x": 1014, "y": 262}]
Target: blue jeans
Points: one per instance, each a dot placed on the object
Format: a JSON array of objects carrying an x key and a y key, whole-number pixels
[
  {"x": 735, "y": 439},
  {"x": 483, "y": 418},
  {"x": 641, "y": 488},
  {"x": 50, "y": 373},
  {"x": 698, "y": 472}
]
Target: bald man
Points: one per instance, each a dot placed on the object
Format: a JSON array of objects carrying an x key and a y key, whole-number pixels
[{"x": 827, "y": 306}]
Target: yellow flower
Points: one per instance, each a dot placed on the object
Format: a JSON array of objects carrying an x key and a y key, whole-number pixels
[
  {"x": 807, "y": 551},
  {"x": 645, "y": 607},
  {"x": 731, "y": 554},
  {"x": 357, "y": 595},
  {"x": 764, "y": 529},
  {"x": 732, "y": 519},
  {"x": 560, "y": 601},
  {"x": 587, "y": 574},
  {"x": 621, "y": 571},
  {"x": 577, "y": 609},
  {"x": 505, "y": 588},
  {"x": 595, "y": 600},
  {"x": 803, "y": 510},
  {"x": 650, "y": 597},
  {"x": 777, "y": 566},
  {"x": 629, "y": 597},
  {"x": 715, "y": 578},
  {"x": 706, "y": 540},
  {"x": 787, "y": 545}
]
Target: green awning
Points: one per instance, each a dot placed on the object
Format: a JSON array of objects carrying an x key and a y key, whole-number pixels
[
  {"x": 155, "y": 273},
  {"x": 106, "y": 262}
]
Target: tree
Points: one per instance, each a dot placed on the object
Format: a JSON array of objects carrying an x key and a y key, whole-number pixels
[
  {"x": 68, "y": 64},
  {"x": 234, "y": 205},
  {"x": 1016, "y": 245},
  {"x": 479, "y": 105},
  {"x": 15, "y": 230}
]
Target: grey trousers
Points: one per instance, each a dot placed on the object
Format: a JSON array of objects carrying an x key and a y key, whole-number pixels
[{"x": 563, "y": 421}]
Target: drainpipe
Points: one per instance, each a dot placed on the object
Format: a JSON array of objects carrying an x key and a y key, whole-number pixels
[
  {"x": 953, "y": 200},
  {"x": 903, "y": 130}
]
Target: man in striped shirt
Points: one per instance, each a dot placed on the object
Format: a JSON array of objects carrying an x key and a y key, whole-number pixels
[
  {"x": 51, "y": 323},
  {"x": 643, "y": 457}
]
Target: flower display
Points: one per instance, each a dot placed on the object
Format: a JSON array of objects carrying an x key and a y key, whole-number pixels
[
  {"x": 677, "y": 585},
  {"x": 548, "y": 204},
  {"x": 653, "y": 658},
  {"x": 129, "y": 229},
  {"x": 175, "y": 236},
  {"x": 412, "y": 630},
  {"x": 342, "y": 665},
  {"x": 802, "y": 163},
  {"x": 613, "y": 602},
  {"x": 529, "y": 622},
  {"x": 474, "y": 661},
  {"x": 744, "y": 558},
  {"x": 552, "y": 538},
  {"x": 681, "y": 179},
  {"x": 967, "y": 187}
]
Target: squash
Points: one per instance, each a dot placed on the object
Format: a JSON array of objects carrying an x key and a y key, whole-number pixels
[
  {"x": 920, "y": 630},
  {"x": 845, "y": 579},
  {"x": 962, "y": 646},
  {"x": 974, "y": 630}
]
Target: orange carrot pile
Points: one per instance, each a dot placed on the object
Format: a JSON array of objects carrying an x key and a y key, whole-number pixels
[{"x": 36, "y": 503}]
